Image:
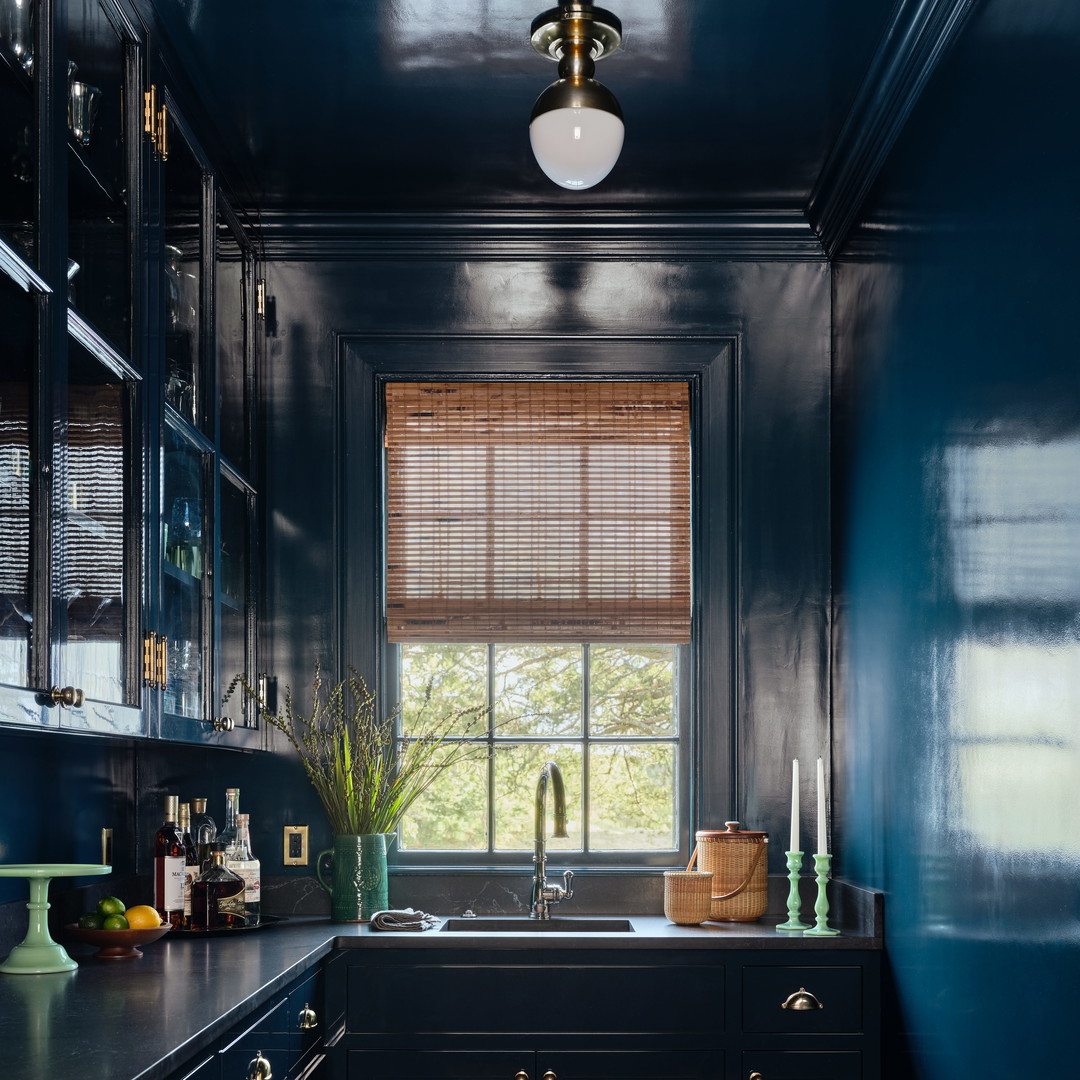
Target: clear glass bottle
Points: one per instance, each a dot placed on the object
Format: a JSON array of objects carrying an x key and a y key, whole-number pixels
[
  {"x": 203, "y": 829},
  {"x": 227, "y": 836},
  {"x": 217, "y": 896},
  {"x": 241, "y": 861},
  {"x": 170, "y": 863},
  {"x": 192, "y": 864}
]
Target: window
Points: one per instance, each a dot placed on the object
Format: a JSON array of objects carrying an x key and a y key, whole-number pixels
[{"x": 538, "y": 562}]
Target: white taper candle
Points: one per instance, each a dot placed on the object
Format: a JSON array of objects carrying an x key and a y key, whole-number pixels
[
  {"x": 822, "y": 842},
  {"x": 793, "y": 844}
]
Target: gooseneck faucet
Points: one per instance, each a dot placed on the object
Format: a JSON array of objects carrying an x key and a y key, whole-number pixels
[{"x": 543, "y": 894}]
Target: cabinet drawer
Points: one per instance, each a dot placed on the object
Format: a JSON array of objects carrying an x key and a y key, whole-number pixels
[
  {"x": 443, "y": 1064},
  {"x": 801, "y": 1065},
  {"x": 838, "y": 989},
  {"x": 523, "y": 997}
]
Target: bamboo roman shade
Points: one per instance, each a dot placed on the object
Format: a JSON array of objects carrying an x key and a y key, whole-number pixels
[{"x": 538, "y": 511}]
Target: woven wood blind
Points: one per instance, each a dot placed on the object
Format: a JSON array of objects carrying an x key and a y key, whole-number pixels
[{"x": 538, "y": 511}]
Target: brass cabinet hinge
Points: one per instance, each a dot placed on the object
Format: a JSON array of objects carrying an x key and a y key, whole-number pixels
[
  {"x": 149, "y": 660},
  {"x": 154, "y": 122}
]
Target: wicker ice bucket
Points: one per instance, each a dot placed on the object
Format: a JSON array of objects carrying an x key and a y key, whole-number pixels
[
  {"x": 687, "y": 896},
  {"x": 738, "y": 862}
]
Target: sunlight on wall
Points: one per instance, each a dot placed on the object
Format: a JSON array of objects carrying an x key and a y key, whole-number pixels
[{"x": 1015, "y": 529}]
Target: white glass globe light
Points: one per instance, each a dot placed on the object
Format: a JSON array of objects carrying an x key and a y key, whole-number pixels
[{"x": 576, "y": 148}]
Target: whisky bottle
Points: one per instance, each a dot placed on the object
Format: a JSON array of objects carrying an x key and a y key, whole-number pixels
[
  {"x": 240, "y": 860},
  {"x": 217, "y": 896},
  {"x": 192, "y": 866},
  {"x": 203, "y": 829},
  {"x": 170, "y": 862}
]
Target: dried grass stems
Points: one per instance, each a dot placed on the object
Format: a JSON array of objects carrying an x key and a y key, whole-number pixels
[{"x": 365, "y": 776}]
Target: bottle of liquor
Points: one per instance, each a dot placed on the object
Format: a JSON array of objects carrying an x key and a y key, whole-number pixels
[
  {"x": 227, "y": 836},
  {"x": 240, "y": 860},
  {"x": 217, "y": 897},
  {"x": 203, "y": 829},
  {"x": 170, "y": 862},
  {"x": 192, "y": 865}
]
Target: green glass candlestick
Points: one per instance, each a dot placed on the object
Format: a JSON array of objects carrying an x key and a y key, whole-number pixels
[
  {"x": 794, "y": 903},
  {"x": 821, "y": 928}
]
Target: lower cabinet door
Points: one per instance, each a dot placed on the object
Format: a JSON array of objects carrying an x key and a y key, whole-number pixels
[
  {"x": 209, "y": 1069},
  {"x": 440, "y": 1065},
  {"x": 801, "y": 1065},
  {"x": 635, "y": 1064}
]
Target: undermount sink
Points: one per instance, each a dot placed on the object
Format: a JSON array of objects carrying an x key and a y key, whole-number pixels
[{"x": 514, "y": 925}]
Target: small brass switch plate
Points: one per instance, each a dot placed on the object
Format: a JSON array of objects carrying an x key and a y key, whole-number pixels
[{"x": 295, "y": 845}]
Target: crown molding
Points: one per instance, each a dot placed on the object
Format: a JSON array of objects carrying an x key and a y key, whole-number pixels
[
  {"x": 919, "y": 35},
  {"x": 499, "y": 235}
]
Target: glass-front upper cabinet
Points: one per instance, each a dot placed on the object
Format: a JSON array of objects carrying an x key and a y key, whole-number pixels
[
  {"x": 103, "y": 113},
  {"x": 185, "y": 593},
  {"x": 18, "y": 131},
  {"x": 97, "y": 538},
  {"x": 206, "y": 609}
]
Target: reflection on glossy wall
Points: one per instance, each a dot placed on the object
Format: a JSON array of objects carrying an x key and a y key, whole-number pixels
[{"x": 957, "y": 555}]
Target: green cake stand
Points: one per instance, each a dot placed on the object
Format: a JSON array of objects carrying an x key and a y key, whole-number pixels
[{"x": 38, "y": 953}]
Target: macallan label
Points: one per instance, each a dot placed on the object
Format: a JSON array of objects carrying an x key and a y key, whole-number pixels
[{"x": 169, "y": 874}]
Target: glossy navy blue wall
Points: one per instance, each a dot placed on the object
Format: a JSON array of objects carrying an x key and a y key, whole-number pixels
[
  {"x": 778, "y": 315},
  {"x": 957, "y": 553}
]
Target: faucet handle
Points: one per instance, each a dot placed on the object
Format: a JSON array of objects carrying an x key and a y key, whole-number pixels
[{"x": 567, "y": 882}]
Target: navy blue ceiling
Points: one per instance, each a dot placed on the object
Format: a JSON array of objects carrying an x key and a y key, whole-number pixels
[{"x": 422, "y": 106}]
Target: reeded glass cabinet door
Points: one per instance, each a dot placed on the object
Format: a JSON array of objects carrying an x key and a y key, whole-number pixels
[
  {"x": 101, "y": 66},
  {"x": 18, "y": 332},
  {"x": 184, "y": 582},
  {"x": 96, "y": 543}
]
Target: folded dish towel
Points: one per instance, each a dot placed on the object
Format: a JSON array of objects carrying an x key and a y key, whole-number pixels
[{"x": 405, "y": 919}]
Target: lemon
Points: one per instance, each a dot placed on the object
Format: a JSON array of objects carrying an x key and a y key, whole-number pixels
[
  {"x": 142, "y": 917},
  {"x": 114, "y": 922},
  {"x": 110, "y": 905}
]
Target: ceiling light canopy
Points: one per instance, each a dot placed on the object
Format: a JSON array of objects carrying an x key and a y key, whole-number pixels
[{"x": 576, "y": 128}]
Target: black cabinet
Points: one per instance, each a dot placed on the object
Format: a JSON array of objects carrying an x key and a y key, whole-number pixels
[
  {"x": 598, "y": 1014},
  {"x": 286, "y": 1032}
]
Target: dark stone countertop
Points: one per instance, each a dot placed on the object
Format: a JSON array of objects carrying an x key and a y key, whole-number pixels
[{"x": 141, "y": 1019}]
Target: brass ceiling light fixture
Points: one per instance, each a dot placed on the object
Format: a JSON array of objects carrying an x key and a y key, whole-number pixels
[{"x": 576, "y": 128}]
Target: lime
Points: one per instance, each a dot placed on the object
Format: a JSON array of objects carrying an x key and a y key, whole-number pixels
[
  {"x": 114, "y": 922},
  {"x": 90, "y": 921},
  {"x": 110, "y": 905}
]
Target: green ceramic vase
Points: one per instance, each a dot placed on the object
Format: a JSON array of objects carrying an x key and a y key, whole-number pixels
[{"x": 358, "y": 881}]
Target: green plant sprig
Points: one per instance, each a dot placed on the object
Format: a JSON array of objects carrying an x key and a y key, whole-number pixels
[{"x": 365, "y": 776}]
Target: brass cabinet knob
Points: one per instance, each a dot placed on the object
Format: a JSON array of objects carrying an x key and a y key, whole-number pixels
[
  {"x": 259, "y": 1068},
  {"x": 521, "y": 1075},
  {"x": 549, "y": 1075},
  {"x": 223, "y": 723},
  {"x": 756, "y": 1076},
  {"x": 307, "y": 1018},
  {"x": 71, "y": 696},
  {"x": 802, "y": 1001}
]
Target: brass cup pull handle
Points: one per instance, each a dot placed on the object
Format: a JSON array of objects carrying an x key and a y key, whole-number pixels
[
  {"x": 549, "y": 1075},
  {"x": 71, "y": 696},
  {"x": 801, "y": 1001},
  {"x": 521, "y": 1075},
  {"x": 259, "y": 1068},
  {"x": 756, "y": 1076}
]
